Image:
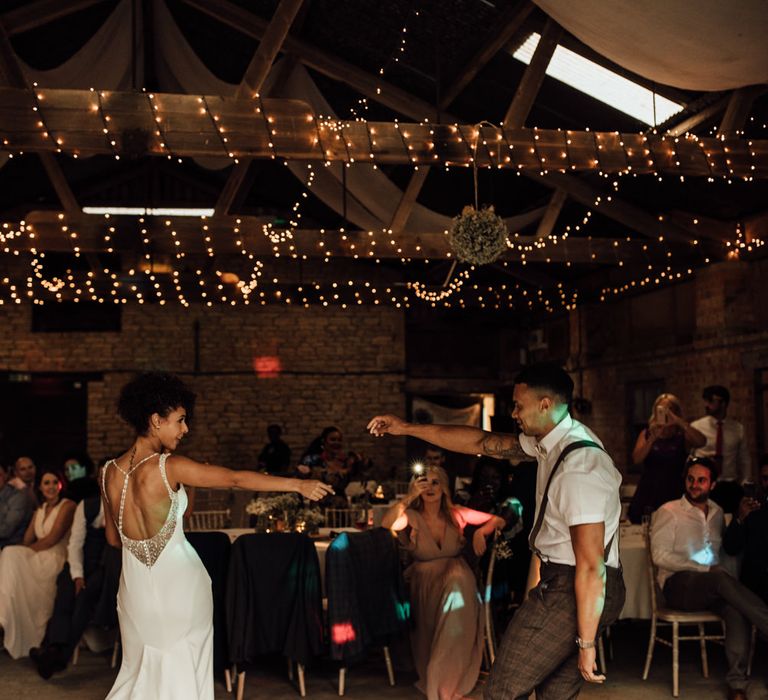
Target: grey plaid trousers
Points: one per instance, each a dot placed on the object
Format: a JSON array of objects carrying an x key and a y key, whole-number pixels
[{"x": 539, "y": 650}]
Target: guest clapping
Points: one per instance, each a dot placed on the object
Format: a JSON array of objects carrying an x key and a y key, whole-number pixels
[
  {"x": 447, "y": 636},
  {"x": 662, "y": 449},
  {"x": 28, "y": 572}
]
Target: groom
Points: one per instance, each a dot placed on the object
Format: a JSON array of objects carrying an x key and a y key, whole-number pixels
[{"x": 550, "y": 644}]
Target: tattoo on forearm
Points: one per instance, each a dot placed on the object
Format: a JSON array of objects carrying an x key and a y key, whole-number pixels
[{"x": 500, "y": 447}]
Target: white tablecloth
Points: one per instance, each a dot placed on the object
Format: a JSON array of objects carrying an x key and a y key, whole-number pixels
[{"x": 634, "y": 560}]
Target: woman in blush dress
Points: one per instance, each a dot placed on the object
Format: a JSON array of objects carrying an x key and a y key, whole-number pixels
[
  {"x": 28, "y": 571},
  {"x": 164, "y": 602},
  {"x": 447, "y": 631}
]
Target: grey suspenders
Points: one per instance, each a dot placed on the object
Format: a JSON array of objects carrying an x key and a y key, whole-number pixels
[{"x": 545, "y": 498}]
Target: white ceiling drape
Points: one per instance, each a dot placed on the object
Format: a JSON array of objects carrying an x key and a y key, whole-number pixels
[{"x": 702, "y": 45}]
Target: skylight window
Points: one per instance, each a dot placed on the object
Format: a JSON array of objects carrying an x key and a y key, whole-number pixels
[{"x": 602, "y": 84}]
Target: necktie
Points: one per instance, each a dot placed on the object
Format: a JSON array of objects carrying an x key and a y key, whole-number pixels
[{"x": 719, "y": 444}]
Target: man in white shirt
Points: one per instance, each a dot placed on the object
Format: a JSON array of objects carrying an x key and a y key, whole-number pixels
[
  {"x": 550, "y": 644},
  {"x": 685, "y": 544},
  {"x": 86, "y": 589},
  {"x": 725, "y": 444}
]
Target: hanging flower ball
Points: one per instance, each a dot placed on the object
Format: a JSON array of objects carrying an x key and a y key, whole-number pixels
[{"x": 478, "y": 237}]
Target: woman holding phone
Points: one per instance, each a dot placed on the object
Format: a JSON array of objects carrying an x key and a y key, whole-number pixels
[
  {"x": 662, "y": 448},
  {"x": 447, "y": 631}
]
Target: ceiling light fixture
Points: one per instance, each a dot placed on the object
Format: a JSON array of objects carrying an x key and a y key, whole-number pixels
[{"x": 148, "y": 211}]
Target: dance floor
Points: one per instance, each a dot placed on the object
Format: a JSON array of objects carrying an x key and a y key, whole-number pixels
[{"x": 92, "y": 677}]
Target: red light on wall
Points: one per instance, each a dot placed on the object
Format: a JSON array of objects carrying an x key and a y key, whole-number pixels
[
  {"x": 267, "y": 366},
  {"x": 343, "y": 632}
]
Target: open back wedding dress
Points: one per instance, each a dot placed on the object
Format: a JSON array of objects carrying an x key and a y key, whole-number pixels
[{"x": 164, "y": 605}]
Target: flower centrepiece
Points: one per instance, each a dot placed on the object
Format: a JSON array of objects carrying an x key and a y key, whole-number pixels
[{"x": 478, "y": 236}]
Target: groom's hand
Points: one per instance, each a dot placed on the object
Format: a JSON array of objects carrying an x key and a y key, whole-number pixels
[{"x": 387, "y": 424}]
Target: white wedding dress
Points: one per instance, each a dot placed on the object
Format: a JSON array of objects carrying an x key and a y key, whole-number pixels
[
  {"x": 165, "y": 608},
  {"x": 28, "y": 587}
]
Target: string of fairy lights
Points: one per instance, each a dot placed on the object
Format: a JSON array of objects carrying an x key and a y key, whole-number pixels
[{"x": 149, "y": 284}]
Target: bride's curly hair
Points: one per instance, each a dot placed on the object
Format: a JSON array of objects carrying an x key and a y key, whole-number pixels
[{"x": 153, "y": 392}]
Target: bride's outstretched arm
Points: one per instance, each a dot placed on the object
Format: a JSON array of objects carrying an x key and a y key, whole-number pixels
[{"x": 187, "y": 471}]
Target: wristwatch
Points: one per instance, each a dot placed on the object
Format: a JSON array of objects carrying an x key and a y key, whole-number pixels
[{"x": 582, "y": 644}]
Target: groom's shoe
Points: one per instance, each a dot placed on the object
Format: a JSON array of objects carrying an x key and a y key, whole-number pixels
[{"x": 49, "y": 662}]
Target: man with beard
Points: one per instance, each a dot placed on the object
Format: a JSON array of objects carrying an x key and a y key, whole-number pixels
[
  {"x": 550, "y": 644},
  {"x": 685, "y": 544}
]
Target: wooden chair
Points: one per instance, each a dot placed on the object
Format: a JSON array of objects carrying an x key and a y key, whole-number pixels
[
  {"x": 665, "y": 616},
  {"x": 486, "y": 588},
  {"x": 344, "y": 517},
  {"x": 115, "y": 651},
  {"x": 209, "y": 520},
  {"x": 364, "y": 562}
]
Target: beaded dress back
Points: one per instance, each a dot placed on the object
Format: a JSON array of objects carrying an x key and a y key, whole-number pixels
[{"x": 146, "y": 551}]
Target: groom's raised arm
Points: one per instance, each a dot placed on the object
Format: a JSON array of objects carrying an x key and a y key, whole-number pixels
[{"x": 457, "y": 438}]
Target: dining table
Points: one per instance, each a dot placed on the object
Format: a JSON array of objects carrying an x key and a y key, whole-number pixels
[
  {"x": 634, "y": 561},
  {"x": 322, "y": 542}
]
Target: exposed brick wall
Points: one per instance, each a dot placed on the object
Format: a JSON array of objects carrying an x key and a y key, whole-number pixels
[
  {"x": 338, "y": 367},
  {"x": 729, "y": 343}
]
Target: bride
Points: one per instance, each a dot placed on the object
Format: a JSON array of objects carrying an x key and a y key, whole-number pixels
[{"x": 164, "y": 601}]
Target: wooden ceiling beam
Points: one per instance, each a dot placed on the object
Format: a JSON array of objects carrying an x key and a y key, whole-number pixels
[
  {"x": 634, "y": 218},
  {"x": 269, "y": 46},
  {"x": 555, "y": 206},
  {"x": 37, "y": 14},
  {"x": 693, "y": 120},
  {"x": 408, "y": 200},
  {"x": 12, "y": 75},
  {"x": 738, "y": 109},
  {"x": 508, "y": 24},
  {"x": 223, "y": 236},
  {"x": 252, "y": 81},
  {"x": 535, "y": 71},
  {"x": 363, "y": 82}
]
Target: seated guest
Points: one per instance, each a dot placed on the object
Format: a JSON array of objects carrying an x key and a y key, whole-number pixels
[
  {"x": 28, "y": 572},
  {"x": 326, "y": 460},
  {"x": 86, "y": 589},
  {"x": 727, "y": 445},
  {"x": 748, "y": 535},
  {"x": 15, "y": 511},
  {"x": 80, "y": 480},
  {"x": 275, "y": 457},
  {"x": 24, "y": 472},
  {"x": 662, "y": 449},
  {"x": 447, "y": 636},
  {"x": 685, "y": 545}
]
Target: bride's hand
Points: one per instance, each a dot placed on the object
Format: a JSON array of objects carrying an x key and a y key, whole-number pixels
[{"x": 314, "y": 490}]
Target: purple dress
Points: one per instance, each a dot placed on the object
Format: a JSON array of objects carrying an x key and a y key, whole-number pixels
[{"x": 662, "y": 478}]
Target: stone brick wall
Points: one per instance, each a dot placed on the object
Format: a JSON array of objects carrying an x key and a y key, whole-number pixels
[
  {"x": 337, "y": 367},
  {"x": 726, "y": 345}
]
